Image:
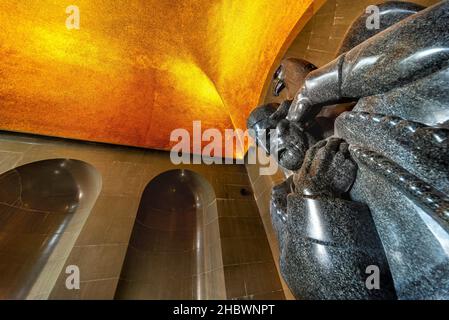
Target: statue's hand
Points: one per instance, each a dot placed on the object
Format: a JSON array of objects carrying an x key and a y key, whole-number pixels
[
  {"x": 301, "y": 108},
  {"x": 291, "y": 144},
  {"x": 281, "y": 112},
  {"x": 327, "y": 170}
]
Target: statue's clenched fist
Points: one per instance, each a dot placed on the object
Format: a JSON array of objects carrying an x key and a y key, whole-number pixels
[
  {"x": 327, "y": 170},
  {"x": 291, "y": 145}
]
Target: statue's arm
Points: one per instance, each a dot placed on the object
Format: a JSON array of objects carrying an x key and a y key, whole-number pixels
[{"x": 412, "y": 49}]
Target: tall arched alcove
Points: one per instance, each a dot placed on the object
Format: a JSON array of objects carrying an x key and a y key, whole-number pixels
[
  {"x": 168, "y": 256},
  {"x": 39, "y": 203}
]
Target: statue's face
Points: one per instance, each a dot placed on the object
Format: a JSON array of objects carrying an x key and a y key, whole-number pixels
[
  {"x": 260, "y": 124},
  {"x": 290, "y": 76},
  {"x": 278, "y": 80}
]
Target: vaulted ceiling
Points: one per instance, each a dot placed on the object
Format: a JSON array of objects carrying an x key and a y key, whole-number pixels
[{"x": 136, "y": 69}]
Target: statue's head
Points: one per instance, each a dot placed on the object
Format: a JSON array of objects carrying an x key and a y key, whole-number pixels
[
  {"x": 290, "y": 76},
  {"x": 260, "y": 123}
]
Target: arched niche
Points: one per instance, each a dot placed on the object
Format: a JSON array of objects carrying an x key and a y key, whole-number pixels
[
  {"x": 169, "y": 254},
  {"x": 42, "y": 207}
]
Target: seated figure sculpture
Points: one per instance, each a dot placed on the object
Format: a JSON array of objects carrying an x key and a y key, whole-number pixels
[{"x": 374, "y": 194}]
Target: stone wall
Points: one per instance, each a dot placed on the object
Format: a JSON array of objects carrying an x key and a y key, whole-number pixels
[{"x": 99, "y": 249}]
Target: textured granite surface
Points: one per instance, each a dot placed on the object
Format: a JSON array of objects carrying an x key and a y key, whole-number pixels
[
  {"x": 278, "y": 209},
  {"x": 327, "y": 170},
  {"x": 425, "y": 100},
  {"x": 327, "y": 242},
  {"x": 434, "y": 202},
  {"x": 413, "y": 49},
  {"x": 292, "y": 143},
  {"x": 422, "y": 150},
  {"x": 417, "y": 248},
  {"x": 328, "y": 246},
  {"x": 390, "y": 12},
  {"x": 285, "y": 140},
  {"x": 259, "y": 124}
]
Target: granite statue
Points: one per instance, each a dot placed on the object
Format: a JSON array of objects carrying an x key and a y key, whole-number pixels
[
  {"x": 371, "y": 190},
  {"x": 327, "y": 240},
  {"x": 290, "y": 75}
]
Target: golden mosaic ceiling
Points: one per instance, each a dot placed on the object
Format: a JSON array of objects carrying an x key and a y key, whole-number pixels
[{"x": 136, "y": 69}]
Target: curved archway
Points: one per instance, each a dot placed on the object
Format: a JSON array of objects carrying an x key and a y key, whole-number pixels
[
  {"x": 38, "y": 202},
  {"x": 167, "y": 257}
]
